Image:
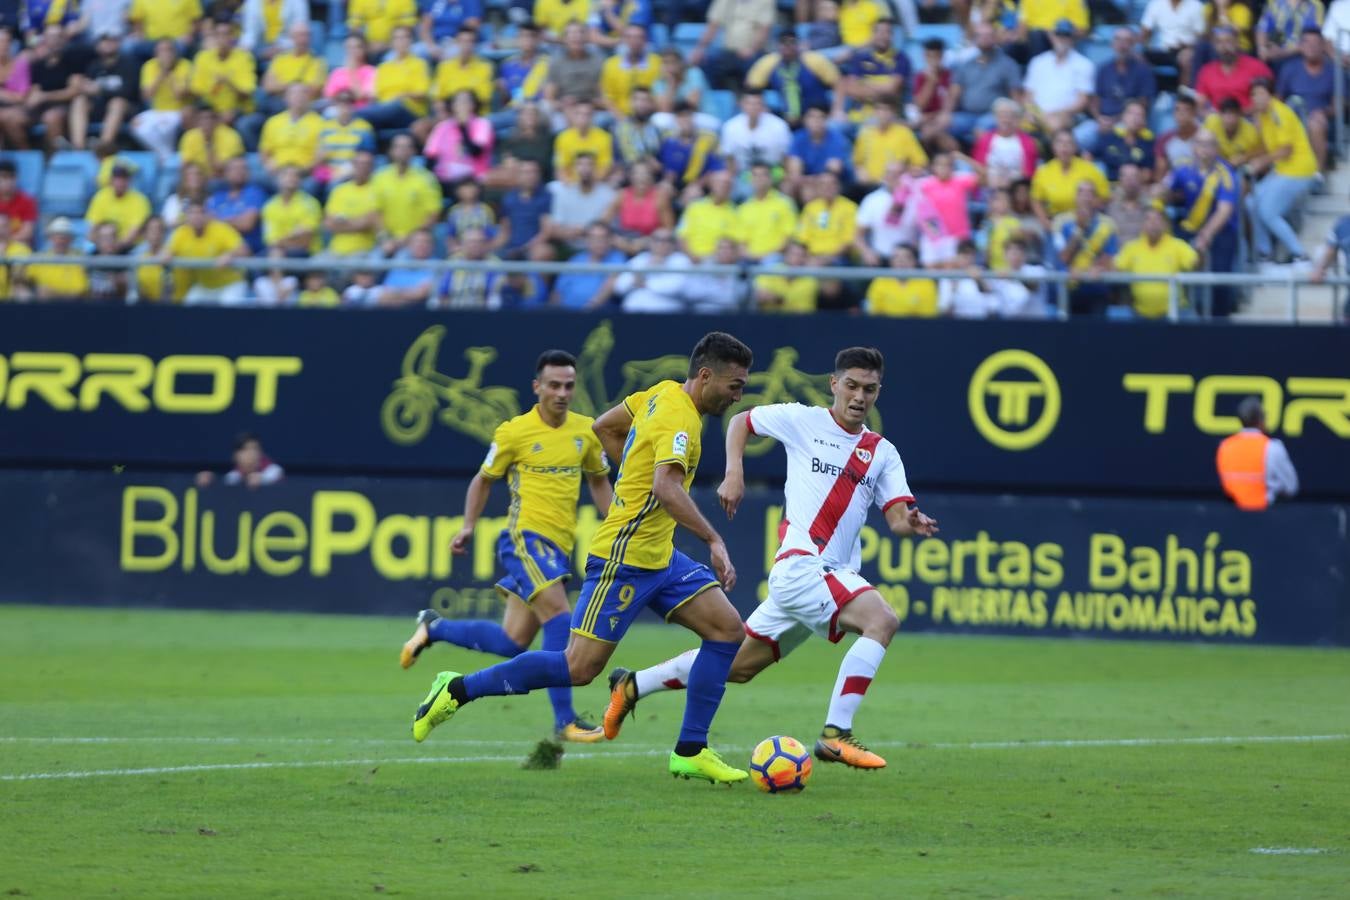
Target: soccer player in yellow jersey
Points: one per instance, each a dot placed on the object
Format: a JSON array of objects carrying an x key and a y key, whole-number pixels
[
  {"x": 543, "y": 454},
  {"x": 634, "y": 565}
]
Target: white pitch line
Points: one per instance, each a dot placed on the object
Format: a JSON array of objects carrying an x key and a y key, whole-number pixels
[
  {"x": 630, "y": 752},
  {"x": 1287, "y": 851},
  {"x": 235, "y": 741},
  {"x": 303, "y": 764}
]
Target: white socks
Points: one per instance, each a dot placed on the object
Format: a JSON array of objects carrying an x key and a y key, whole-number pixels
[
  {"x": 671, "y": 675},
  {"x": 855, "y": 675}
]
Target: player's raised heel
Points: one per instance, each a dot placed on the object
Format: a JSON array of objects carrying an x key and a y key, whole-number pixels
[
  {"x": 706, "y": 766},
  {"x": 420, "y": 640},
  {"x": 438, "y": 706},
  {"x": 622, "y": 701},
  {"x": 579, "y": 731},
  {"x": 840, "y": 746}
]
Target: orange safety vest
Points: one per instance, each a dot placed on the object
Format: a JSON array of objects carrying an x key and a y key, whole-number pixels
[{"x": 1242, "y": 468}]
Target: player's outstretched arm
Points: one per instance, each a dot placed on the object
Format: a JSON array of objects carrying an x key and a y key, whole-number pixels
[
  {"x": 905, "y": 520},
  {"x": 474, "y": 500},
  {"x": 668, "y": 488},
  {"x": 602, "y": 493},
  {"x": 732, "y": 489},
  {"x": 612, "y": 430}
]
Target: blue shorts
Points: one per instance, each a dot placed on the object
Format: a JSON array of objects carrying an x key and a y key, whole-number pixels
[
  {"x": 532, "y": 562},
  {"x": 613, "y": 594}
]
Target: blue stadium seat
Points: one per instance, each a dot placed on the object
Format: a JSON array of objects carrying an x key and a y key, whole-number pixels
[
  {"x": 147, "y": 170},
  {"x": 166, "y": 181},
  {"x": 1097, "y": 52},
  {"x": 334, "y": 53},
  {"x": 722, "y": 104},
  {"x": 687, "y": 34},
  {"x": 318, "y": 33},
  {"x": 68, "y": 183},
  {"x": 950, "y": 33},
  {"x": 337, "y": 19},
  {"x": 256, "y": 172},
  {"x": 29, "y": 166}
]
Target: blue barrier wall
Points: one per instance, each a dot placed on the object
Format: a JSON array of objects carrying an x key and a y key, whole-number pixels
[
  {"x": 1006, "y": 565},
  {"x": 1081, "y": 406}
]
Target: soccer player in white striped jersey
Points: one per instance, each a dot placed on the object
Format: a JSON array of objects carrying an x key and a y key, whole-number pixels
[{"x": 837, "y": 469}]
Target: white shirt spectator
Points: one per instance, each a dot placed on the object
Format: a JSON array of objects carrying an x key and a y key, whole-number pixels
[
  {"x": 714, "y": 293},
  {"x": 105, "y": 17},
  {"x": 1175, "y": 25},
  {"x": 255, "y": 23},
  {"x": 882, "y": 236},
  {"x": 964, "y": 299},
  {"x": 1014, "y": 299},
  {"x": 1336, "y": 26},
  {"x": 1007, "y": 157},
  {"x": 1055, "y": 84},
  {"x": 659, "y": 292},
  {"x": 768, "y": 141}
]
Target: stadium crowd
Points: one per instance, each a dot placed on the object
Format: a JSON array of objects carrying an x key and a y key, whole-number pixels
[{"x": 1004, "y": 140}]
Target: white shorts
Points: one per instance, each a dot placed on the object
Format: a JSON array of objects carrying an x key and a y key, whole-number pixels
[{"x": 804, "y": 599}]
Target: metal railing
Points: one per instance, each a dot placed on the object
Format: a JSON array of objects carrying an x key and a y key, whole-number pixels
[{"x": 1058, "y": 283}]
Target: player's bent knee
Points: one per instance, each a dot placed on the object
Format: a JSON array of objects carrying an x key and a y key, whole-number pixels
[{"x": 583, "y": 671}]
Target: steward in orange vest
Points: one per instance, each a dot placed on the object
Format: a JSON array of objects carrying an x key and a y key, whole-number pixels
[{"x": 1253, "y": 467}]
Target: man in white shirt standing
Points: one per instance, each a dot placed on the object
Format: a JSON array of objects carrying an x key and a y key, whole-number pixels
[
  {"x": 879, "y": 216},
  {"x": 1255, "y": 468},
  {"x": 1058, "y": 85},
  {"x": 1178, "y": 26},
  {"x": 837, "y": 470},
  {"x": 657, "y": 292},
  {"x": 755, "y": 135}
]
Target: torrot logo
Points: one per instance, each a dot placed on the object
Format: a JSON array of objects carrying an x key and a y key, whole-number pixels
[{"x": 1024, "y": 409}]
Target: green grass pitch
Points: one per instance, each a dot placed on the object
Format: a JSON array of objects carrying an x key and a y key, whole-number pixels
[{"x": 233, "y": 755}]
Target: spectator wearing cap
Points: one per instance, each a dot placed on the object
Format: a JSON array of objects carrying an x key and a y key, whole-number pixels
[
  {"x": 590, "y": 290},
  {"x": 755, "y": 134},
  {"x": 1059, "y": 85},
  {"x": 1231, "y": 73},
  {"x": 578, "y": 204},
  {"x": 239, "y": 204},
  {"x": 766, "y": 220},
  {"x": 1290, "y": 173},
  {"x": 165, "y": 84},
  {"x": 1173, "y": 28},
  {"x": 979, "y": 83},
  {"x": 439, "y": 21},
  {"x": 291, "y": 137},
  {"x": 409, "y": 196},
  {"x": 380, "y": 20},
  {"x": 1084, "y": 242},
  {"x": 644, "y": 291},
  {"x": 816, "y": 147},
  {"x": 877, "y": 73},
  {"x": 340, "y": 138},
  {"x": 574, "y": 74},
  {"x": 12, "y": 285},
  {"x": 744, "y": 27},
  {"x": 1129, "y": 141},
  {"x": 1040, "y": 20},
  {"x": 1207, "y": 193},
  {"x": 402, "y": 83},
  {"x": 355, "y": 75},
  {"x": 107, "y": 92},
  {"x": 788, "y": 293},
  {"x": 209, "y": 143},
  {"x": 1307, "y": 84},
  {"x": 802, "y": 79},
  {"x": 1155, "y": 252},
  {"x": 583, "y": 136},
  {"x": 352, "y": 212},
  {"x": 1123, "y": 78},
  {"x": 297, "y": 64},
  {"x": 688, "y": 153},
  {"x": 57, "y": 83},
  {"x": 155, "y": 20},
  {"x": 632, "y": 66},
  {"x": 124, "y": 206},
  {"x": 17, "y": 207},
  {"x": 1237, "y": 137},
  {"x": 412, "y": 285},
  {"x": 1281, "y": 27},
  {"x": 707, "y": 221},
  {"x": 1006, "y": 152},
  {"x": 270, "y": 28},
  {"x": 225, "y": 76},
  {"x": 59, "y": 281},
  {"x": 883, "y": 141}
]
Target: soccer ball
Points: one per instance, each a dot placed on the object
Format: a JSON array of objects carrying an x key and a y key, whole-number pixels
[{"x": 780, "y": 764}]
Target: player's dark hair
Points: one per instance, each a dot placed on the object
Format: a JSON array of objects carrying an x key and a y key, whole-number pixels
[
  {"x": 869, "y": 359},
  {"x": 245, "y": 437},
  {"x": 554, "y": 358},
  {"x": 716, "y": 350}
]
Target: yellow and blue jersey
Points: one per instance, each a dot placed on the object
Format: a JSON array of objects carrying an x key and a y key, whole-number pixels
[
  {"x": 1202, "y": 192},
  {"x": 667, "y": 430},
  {"x": 543, "y": 466}
]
